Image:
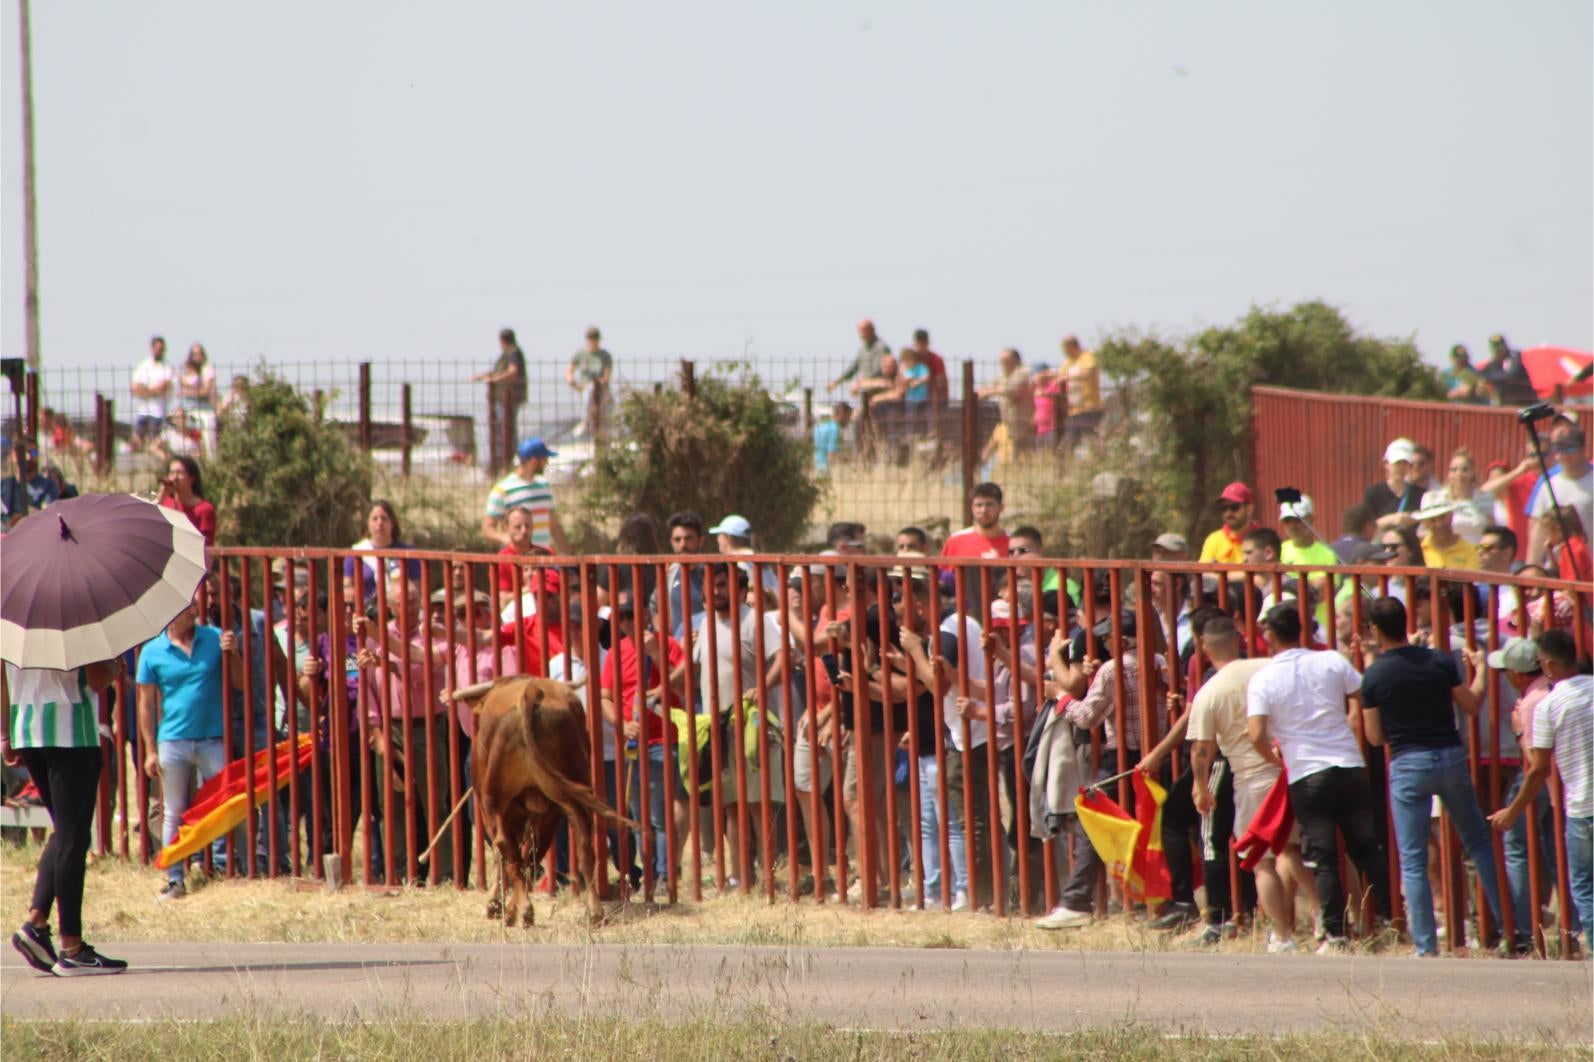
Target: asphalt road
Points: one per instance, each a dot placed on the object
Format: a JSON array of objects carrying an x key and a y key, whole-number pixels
[{"x": 886, "y": 988}]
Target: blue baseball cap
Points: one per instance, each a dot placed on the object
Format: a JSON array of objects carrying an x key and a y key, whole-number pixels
[
  {"x": 535, "y": 447},
  {"x": 732, "y": 525}
]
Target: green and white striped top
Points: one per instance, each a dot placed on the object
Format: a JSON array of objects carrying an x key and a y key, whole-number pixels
[{"x": 51, "y": 709}]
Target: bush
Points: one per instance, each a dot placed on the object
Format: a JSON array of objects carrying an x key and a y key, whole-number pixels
[
  {"x": 1185, "y": 429},
  {"x": 724, "y": 451},
  {"x": 285, "y": 475}
]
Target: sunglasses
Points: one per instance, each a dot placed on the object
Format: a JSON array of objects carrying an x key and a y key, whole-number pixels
[
  {"x": 1229, "y": 507},
  {"x": 1019, "y": 551}
]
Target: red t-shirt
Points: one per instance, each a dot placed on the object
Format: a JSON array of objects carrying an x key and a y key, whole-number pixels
[
  {"x": 1575, "y": 549},
  {"x": 529, "y": 644},
  {"x": 937, "y": 365},
  {"x": 652, "y": 725},
  {"x": 528, "y": 581},
  {"x": 970, "y": 543},
  {"x": 1517, "y": 493},
  {"x": 201, "y": 514}
]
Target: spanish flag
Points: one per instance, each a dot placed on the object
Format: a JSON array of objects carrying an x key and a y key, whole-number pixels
[
  {"x": 1131, "y": 847},
  {"x": 221, "y": 803}
]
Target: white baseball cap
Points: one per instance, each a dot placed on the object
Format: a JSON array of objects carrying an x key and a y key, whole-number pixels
[{"x": 1400, "y": 450}]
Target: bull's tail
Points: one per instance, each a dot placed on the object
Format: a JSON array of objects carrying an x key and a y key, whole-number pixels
[{"x": 560, "y": 788}]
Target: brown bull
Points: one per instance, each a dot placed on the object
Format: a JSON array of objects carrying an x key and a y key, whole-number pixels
[{"x": 531, "y": 762}]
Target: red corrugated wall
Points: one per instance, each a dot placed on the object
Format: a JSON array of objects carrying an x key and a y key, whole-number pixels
[{"x": 1332, "y": 446}]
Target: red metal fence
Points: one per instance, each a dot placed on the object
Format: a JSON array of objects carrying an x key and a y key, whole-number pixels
[
  {"x": 1332, "y": 445},
  {"x": 365, "y": 804}
]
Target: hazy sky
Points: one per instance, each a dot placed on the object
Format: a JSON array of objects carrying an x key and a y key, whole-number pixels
[{"x": 343, "y": 180}]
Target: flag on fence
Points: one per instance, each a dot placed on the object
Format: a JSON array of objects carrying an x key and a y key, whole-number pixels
[
  {"x": 1131, "y": 847},
  {"x": 222, "y": 802}
]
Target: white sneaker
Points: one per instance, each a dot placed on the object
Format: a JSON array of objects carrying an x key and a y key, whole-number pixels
[
  {"x": 1334, "y": 946},
  {"x": 960, "y": 902},
  {"x": 1064, "y": 918},
  {"x": 1278, "y": 946}
]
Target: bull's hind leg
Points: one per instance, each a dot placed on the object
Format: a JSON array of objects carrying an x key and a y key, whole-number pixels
[{"x": 585, "y": 862}]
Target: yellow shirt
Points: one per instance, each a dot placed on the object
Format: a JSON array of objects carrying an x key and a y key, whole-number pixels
[
  {"x": 1084, "y": 383},
  {"x": 1459, "y": 554},
  {"x": 1221, "y": 547}
]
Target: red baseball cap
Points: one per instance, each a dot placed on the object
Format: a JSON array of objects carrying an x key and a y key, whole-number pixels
[{"x": 1238, "y": 493}]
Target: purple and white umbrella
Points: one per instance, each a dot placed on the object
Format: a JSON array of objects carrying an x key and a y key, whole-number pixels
[{"x": 89, "y": 578}]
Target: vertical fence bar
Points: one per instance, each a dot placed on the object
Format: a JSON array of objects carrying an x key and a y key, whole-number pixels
[
  {"x": 407, "y": 426},
  {"x": 970, "y": 446},
  {"x": 365, "y": 406}
]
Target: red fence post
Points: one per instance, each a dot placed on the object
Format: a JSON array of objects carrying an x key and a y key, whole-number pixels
[{"x": 971, "y": 442}]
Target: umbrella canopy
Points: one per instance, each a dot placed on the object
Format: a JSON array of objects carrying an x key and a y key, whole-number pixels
[
  {"x": 1550, "y": 367},
  {"x": 89, "y": 578}
]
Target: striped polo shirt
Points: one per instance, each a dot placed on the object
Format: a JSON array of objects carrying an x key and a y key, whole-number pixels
[
  {"x": 534, "y": 495},
  {"x": 51, "y": 709},
  {"x": 1564, "y": 721}
]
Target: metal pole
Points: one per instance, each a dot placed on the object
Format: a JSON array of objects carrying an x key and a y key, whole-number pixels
[
  {"x": 971, "y": 421},
  {"x": 404, "y": 397},
  {"x": 30, "y": 206},
  {"x": 365, "y": 406}
]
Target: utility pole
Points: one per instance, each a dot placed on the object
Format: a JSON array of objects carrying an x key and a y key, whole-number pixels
[{"x": 30, "y": 210}]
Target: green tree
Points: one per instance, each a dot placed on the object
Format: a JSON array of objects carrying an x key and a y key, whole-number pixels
[
  {"x": 723, "y": 451},
  {"x": 1186, "y": 408},
  {"x": 284, "y": 474}
]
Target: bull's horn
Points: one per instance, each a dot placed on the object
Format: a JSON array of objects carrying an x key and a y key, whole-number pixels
[{"x": 473, "y": 693}]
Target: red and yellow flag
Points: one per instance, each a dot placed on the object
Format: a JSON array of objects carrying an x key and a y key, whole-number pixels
[
  {"x": 222, "y": 802},
  {"x": 1131, "y": 847}
]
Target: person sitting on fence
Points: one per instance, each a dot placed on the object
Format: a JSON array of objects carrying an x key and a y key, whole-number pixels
[
  {"x": 830, "y": 436},
  {"x": 591, "y": 369},
  {"x": 1085, "y": 406},
  {"x": 526, "y": 488},
  {"x": 1462, "y": 383},
  {"x": 506, "y": 387},
  {"x": 152, "y": 388},
  {"x": 1015, "y": 433},
  {"x": 1046, "y": 390},
  {"x": 236, "y": 401}
]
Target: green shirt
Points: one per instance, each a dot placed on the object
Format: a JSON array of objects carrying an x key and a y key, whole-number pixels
[
  {"x": 51, "y": 709},
  {"x": 590, "y": 365}
]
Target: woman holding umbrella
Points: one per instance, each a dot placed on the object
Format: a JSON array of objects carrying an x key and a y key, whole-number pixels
[{"x": 83, "y": 582}]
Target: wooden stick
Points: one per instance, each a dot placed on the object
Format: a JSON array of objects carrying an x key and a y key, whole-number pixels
[{"x": 438, "y": 836}]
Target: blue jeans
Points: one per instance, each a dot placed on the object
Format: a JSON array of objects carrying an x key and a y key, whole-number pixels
[
  {"x": 930, "y": 835},
  {"x": 1580, "y": 870},
  {"x": 185, "y": 766},
  {"x": 1516, "y": 857},
  {"x": 663, "y": 782},
  {"x": 1416, "y": 776}
]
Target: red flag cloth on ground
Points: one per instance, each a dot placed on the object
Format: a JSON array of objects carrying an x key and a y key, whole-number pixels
[
  {"x": 1552, "y": 367},
  {"x": 1270, "y": 830},
  {"x": 222, "y": 803}
]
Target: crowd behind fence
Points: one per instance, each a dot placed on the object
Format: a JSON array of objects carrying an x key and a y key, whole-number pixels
[{"x": 762, "y": 788}]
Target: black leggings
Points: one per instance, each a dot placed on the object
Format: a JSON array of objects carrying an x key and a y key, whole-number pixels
[{"x": 68, "y": 782}]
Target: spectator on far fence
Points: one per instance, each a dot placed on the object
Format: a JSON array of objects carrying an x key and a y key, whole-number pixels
[
  {"x": 26, "y": 488},
  {"x": 1462, "y": 383},
  {"x": 1237, "y": 504},
  {"x": 1474, "y": 507},
  {"x": 867, "y": 363},
  {"x": 1393, "y": 499},
  {"x": 829, "y": 436},
  {"x": 940, "y": 386},
  {"x": 1505, "y": 376},
  {"x": 913, "y": 391},
  {"x": 1083, "y": 386},
  {"x": 526, "y": 488},
  {"x": 1441, "y": 546},
  {"x": 236, "y": 402},
  {"x": 1046, "y": 390},
  {"x": 381, "y": 533},
  {"x": 1299, "y": 700},
  {"x": 591, "y": 369},
  {"x": 506, "y": 384},
  {"x": 1563, "y": 730},
  {"x": 1572, "y": 483},
  {"x": 1015, "y": 433},
  {"x": 152, "y": 388},
  {"x": 182, "y": 489},
  {"x": 1410, "y": 695},
  {"x": 196, "y": 384},
  {"x": 54, "y": 731},
  {"x": 180, "y": 717}
]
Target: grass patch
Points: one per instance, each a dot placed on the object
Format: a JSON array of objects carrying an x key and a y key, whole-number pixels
[{"x": 551, "y": 1035}]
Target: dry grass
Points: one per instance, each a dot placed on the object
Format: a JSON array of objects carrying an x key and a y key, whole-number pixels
[
  {"x": 120, "y": 905},
  {"x": 252, "y": 1035}
]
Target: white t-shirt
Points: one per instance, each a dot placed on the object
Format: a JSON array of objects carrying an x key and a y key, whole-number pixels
[
  {"x": 1564, "y": 721},
  {"x": 1217, "y": 713},
  {"x": 1302, "y": 693},
  {"x": 969, "y": 644},
  {"x": 157, "y": 375},
  {"x": 1573, "y": 493},
  {"x": 578, "y": 672}
]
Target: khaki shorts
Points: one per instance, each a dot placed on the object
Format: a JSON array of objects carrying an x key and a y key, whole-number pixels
[
  {"x": 803, "y": 758},
  {"x": 1248, "y": 796},
  {"x": 882, "y": 767}
]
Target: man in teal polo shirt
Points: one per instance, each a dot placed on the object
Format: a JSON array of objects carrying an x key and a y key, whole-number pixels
[{"x": 180, "y": 717}]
